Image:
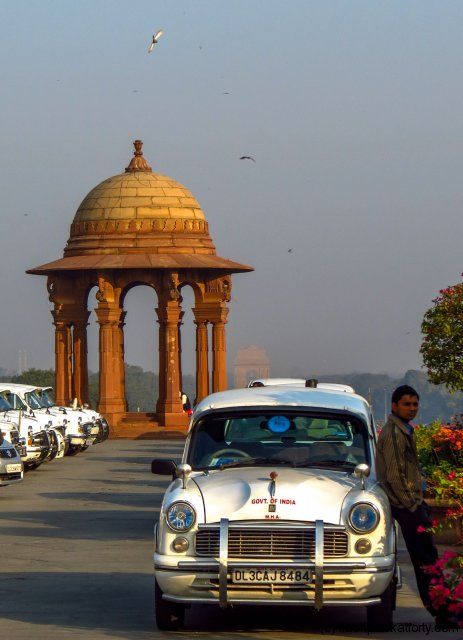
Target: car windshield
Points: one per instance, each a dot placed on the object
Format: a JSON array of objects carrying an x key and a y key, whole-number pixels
[
  {"x": 15, "y": 401},
  {"x": 46, "y": 399},
  {"x": 4, "y": 404},
  {"x": 329, "y": 441},
  {"x": 32, "y": 400}
]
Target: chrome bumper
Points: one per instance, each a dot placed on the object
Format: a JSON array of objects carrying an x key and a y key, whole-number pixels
[{"x": 222, "y": 567}]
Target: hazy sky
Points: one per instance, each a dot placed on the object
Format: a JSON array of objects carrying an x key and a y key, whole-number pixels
[{"x": 352, "y": 110}]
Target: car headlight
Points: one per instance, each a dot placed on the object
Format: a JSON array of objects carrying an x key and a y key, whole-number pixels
[
  {"x": 180, "y": 516},
  {"x": 363, "y": 517}
]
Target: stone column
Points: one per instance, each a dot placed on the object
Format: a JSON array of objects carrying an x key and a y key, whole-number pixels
[
  {"x": 202, "y": 356},
  {"x": 121, "y": 359},
  {"x": 169, "y": 406},
  {"x": 79, "y": 347},
  {"x": 111, "y": 400},
  {"x": 63, "y": 362},
  {"x": 179, "y": 338},
  {"x": 219, "y": 350}
]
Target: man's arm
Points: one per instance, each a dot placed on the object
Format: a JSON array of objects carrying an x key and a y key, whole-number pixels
[{"x": 391, "y": 447}]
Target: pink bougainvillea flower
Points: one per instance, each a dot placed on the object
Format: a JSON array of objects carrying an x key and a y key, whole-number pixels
[
  {"x": 458, "y": 593},
  {"x": 452, "y": 475},
  {"x": 439, "y": 595},
  {"x": 421, "y": 529}
]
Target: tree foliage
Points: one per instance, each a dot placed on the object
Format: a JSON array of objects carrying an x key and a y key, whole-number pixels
[{"x": 442, "y": 346}]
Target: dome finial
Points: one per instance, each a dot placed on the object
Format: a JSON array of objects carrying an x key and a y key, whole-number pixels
[{"x": 138, "y": 162}]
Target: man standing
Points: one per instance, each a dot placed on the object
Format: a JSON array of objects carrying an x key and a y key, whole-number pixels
[{"x": 399, "y": 473}]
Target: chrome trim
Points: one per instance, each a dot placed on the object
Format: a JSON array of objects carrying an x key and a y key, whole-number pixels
[
  {"x": 319, "y": 564},
  {"x": 213, "y": 566},
  {"x": 365, "y": 602},
  {"x": 399, "y": 583},
  {"x": 264, "y": 524},
  {"x": 223, "y": 561}
]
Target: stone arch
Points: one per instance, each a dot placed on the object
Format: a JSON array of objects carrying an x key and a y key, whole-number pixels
[{"x": 138, "y": 301}]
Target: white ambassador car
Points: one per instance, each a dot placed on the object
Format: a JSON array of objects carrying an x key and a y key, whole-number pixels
[{"x": 276, "y": 502}]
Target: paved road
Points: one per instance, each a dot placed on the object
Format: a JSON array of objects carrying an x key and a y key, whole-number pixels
[{"x": 76, "y": 546}]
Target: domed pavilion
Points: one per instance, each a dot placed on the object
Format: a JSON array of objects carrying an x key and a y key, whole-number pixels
[{"x": 138, "y": 228}]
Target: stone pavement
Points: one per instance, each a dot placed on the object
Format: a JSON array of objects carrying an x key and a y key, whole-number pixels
[{"x": 76, "y": 547}]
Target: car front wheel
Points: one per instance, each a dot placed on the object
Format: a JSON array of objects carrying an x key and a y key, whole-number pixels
[
  {"x": 380, "y": 616},
  {"x": 169, "y": 615}
]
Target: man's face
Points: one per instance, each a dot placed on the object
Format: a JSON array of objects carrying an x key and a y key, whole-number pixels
[{"x": 407, "y": 408}]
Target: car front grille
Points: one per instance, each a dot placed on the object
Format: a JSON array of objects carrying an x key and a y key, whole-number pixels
[
  {"x": 10, "y": 476},
  {"x": 40, "y": 439},
  {"x": 272, "y": 543}
]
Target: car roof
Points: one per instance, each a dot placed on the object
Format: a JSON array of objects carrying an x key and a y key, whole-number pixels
[
  {"x": 14, "y": 386},
  {"x": 301, "y": 382},
  {"x": 279, "y": 396}
]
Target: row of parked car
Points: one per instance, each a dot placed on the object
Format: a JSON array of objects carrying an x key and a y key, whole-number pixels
[{"x": 33, "y": 429}]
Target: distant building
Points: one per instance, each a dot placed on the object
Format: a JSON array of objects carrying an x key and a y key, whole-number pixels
[{"x": 250, "y": 362}]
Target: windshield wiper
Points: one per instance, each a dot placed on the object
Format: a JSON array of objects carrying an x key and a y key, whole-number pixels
[
  {"x": 329, "y": 463},
  {"x": 245, "y": 462}
]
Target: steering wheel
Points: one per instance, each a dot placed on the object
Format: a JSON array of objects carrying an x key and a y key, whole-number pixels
[{"x": 221, "y": 452}]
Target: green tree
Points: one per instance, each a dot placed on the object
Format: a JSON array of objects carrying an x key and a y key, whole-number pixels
[
  {"x": 442, "y": 346},
  {"x": 35, "y": 377}
]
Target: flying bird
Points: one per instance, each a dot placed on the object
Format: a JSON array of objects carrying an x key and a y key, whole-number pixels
[
  {"x": 247, "y": 158},
  {"x": 290, "y": 250},
  {"x": 155, "y": 40}
]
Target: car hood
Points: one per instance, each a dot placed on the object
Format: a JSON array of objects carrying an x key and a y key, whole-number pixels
[{"x": 244, "y": 493}]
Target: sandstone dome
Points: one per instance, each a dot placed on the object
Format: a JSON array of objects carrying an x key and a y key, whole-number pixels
[
  {"x": 139, "y": 209},
  {"x": 139, "y": 219}
]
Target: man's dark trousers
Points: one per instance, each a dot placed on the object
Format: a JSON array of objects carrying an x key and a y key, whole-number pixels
[{"x": 420, "y": 545}]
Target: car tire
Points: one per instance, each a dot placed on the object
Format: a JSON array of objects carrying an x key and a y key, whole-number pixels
[
  {"x": 30, "y": 466},
  {"x": 380, "y": 616},
  {"x": 73, "y": 450},
  {"x": 170, "y": 616}
]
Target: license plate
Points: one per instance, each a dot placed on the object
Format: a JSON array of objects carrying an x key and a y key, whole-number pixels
[
  {"x": 13, "y": 468},
  {"x": 88, "y": 442},
  {"x": 271, "y": 576}
]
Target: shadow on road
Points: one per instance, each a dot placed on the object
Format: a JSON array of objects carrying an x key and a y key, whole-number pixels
[{"x": 82, "y": 525}]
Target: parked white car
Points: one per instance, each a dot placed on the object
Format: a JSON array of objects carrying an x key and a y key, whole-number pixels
[
  {"x": 11, "y": 467},
  {"x": 33, "y": 433},
  {"x": 99, "y": 429},
  {"x": 276, "y": 502},
  {"x": 10, "y": 429},
  {"x": 72, "y": 430}
]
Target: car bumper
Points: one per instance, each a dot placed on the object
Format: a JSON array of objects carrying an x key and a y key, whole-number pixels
[
  {"x": 77, "y": 440},
  {"x": 345, "y": 582},
  {"x": 348, "y": 580},
  {"x": 10, "y": 478},
  {"x": 35, "y": 454}
]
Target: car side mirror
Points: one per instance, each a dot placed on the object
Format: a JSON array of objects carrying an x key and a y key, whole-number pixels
[
  {"x": 163, "y": 467},
  {"x": 362, "y": 471}
]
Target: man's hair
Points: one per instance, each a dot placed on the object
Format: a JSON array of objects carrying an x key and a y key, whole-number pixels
[
  {"x": 256, "y": 383},
  {"x": 403, "y": 390}
]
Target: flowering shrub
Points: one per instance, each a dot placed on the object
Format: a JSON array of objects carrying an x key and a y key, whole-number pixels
[
  {"x": 446, "y": 590},
  {"x": 440, "y": 449}
]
